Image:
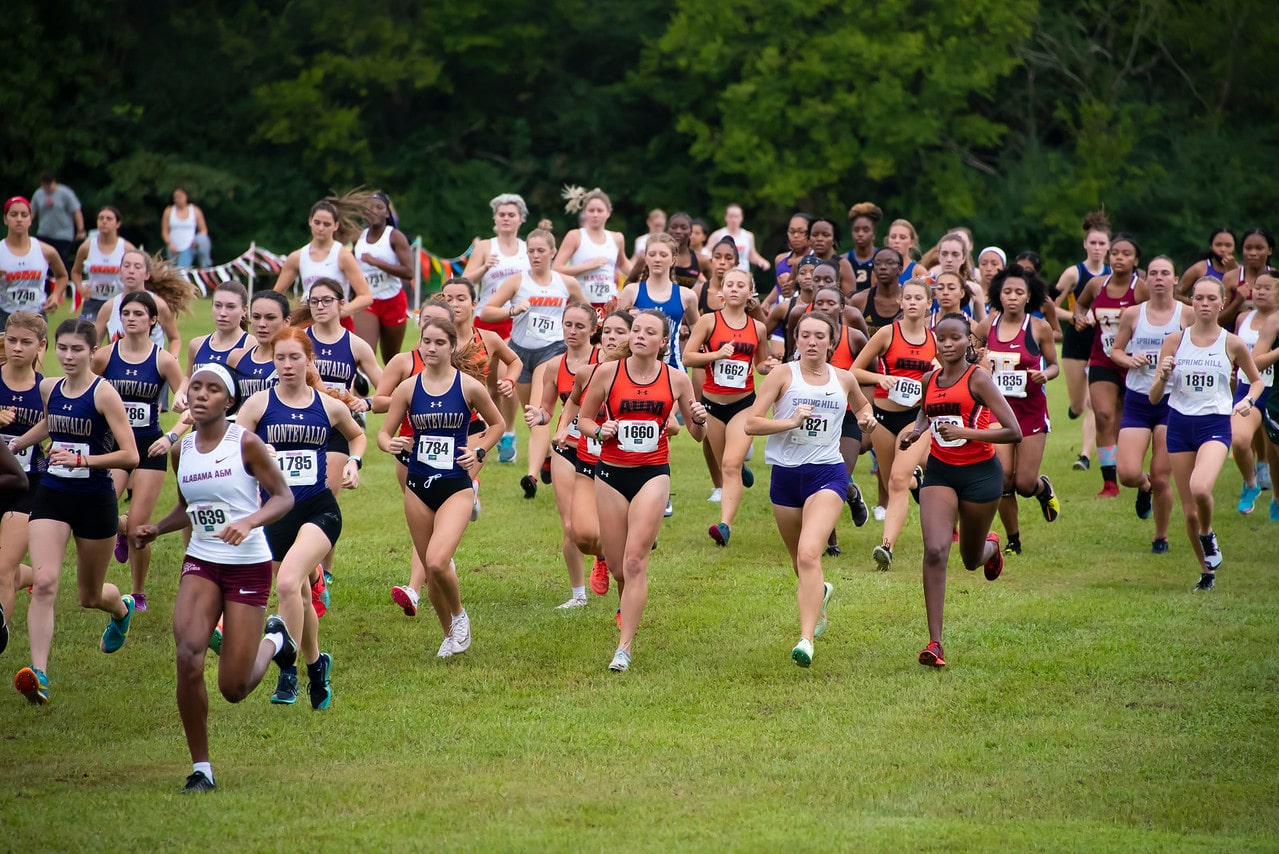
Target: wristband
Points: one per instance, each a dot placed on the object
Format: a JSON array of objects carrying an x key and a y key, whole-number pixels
[
  {"x": 368, "y": 401},
  {"x": 80, "y": 462},
  {"x": 359, "y": 461},
  {"x": 701, "y": 423},
  {"x": 599, "y": 434}
]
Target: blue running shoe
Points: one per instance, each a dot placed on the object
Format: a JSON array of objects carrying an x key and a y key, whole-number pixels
[
  {"x": 1248, "y": 499},
  {"x": 117, "y": 630},
  {"x": 1274, "y": 510},
  {"x": 286, "y": 689},
  {"x": 748, "y": 477},
  {"x": 33, "y": 685},
  {"x": 720, "y": 533},
  {"x": 506, "y": 448},
  {"x": 319, "y": 688}
]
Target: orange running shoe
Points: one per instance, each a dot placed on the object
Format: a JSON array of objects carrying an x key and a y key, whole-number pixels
[
  {"x": 931, "y": 655},
  {"x": 599, "y": 577},
  {"x": 995, "y": 565},
  {"x": 320, "y": 597},
  {"x": 618, "y": 617},
  {"x": 1109, "y": 489}
]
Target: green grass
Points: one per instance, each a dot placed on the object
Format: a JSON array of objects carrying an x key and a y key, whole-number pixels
[{"x": 1091, "y": 701}]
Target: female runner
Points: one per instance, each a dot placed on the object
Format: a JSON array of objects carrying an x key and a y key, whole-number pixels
[
  {"x": 230, "y": 320},
  {"x": 639, "y": 394},
  {"x": 253, "y": 366},
  {"x": 84, "y": 419},
  {"x": 386, "y": 261},
  {"x": 173, "y": 296},
  {"x": 334, "y": 222},
  {"x": 863, "y": 222},
  {"x": 591, "y": 254},
  {"x": 963, "y": 480},
  {"x": 1100, "y": 306},
  {"x": 781, "y": 318},
  {"x": 903, "y": 239},
  {"x": 139, "y": 371},
  {"x": 1258, "y": 245},
  {"x": 810, "y": 400},
  {"x": 1216, "y": 262},
  {"x": 990, "y": 261},
  {"x": 220, "y": 468},
  {"x": 710, "y": 297},
  {"x": 659, "y": 291},
  {"x": 730, "y": 346},
  {"x": 443, "y": 460},
  {"x": 823, "y": 241},
  {"x": 1141, "y": 334},
  {"x": 880, "y": 305},
  {"x": 1196, "y": 362},
  {"x": 949, "y": 297},
  {"x": 25, "y": 263},
  {"x": 901, "y": 354},
  {"x": 1243, "y": 429},
  {"x": 1076, "y": 345},
  {"x": 295, "y": 418},
  {"x": 952, "y": 257},
  {"x": 1023, "y": 357},
  {"x": 99, "y": 257}
]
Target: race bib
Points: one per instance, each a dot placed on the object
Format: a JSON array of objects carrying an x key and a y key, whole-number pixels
[
  {"x": 594, "y": 446},
  {"x": 1199, "y": 383},
  {"x": 300, "y": 468},
  {"x": 1011, "y": 383},
  {"x": 24, "y": 456},
  {"x": 382, "y": 285},
  {"x": 817, "y": 429},
  {"x": 545, "y": 327},
  {"x": 139, "y": 413},
  {"x": 947, "y": 419},
  {"x": 598, "y": 289},
  {"x": 906, "y": 392},
  {"x": 80, "y": 473},
  {"x": 208, "y": 519},
  {"x": 573, "y": 432},
  {"x": 638, "y": 437},
  {"x": 331, "y": 386},
  {"x": 27, "y": 298},
  {"x": 436, "y": 452},
  {"x": 102, "y": 290},
  {"x": 1267, "y": 376},
  {"x": 730, "y": 373},
  {"x": 1151, "y": 358}
]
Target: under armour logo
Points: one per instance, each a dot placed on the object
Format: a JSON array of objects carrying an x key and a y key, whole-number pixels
[
  {"x": 325, "y": 351},
  {"x": 66, "y": 407},
  {"x": 129, "y": 372},
  {"x": 437, "y": 404},
  {"x": 296, "y": 416}
]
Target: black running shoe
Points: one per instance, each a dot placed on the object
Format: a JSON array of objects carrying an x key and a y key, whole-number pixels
[
  {"x": 918, "y": 476},
  {"x": 748, "y": 477},
  {"x": 319, "y": 688},
  {"x": 857, "y": 506},
  {"x": 1205, "y": 582},
  {"x": 1145, "y": 503},
  {"x": 529, "y": 485},
  {"x": 197, "y": 782},
  {"x": 1159, "y": 546},
  {"x": 4, "y": 632},
  {"x": 286, "y": 690},
  {"x": 288, "y": 654},
  {"x": 1082, "y": 463},
  {"x": 832, "y": 550},
  {"x": 1048, "y": 501},
  {"x": 546, "y": 470}
]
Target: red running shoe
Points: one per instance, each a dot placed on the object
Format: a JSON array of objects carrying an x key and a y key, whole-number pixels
[
  {"x": 618, "y": 617},
  {"x": 320, "y": 597},
  {"x": 404, "y": 598},
  {"x": 1109, "y": 489},
  {"x": 995, "y": 565},
  {"x": 599, "y": 577},
  {"x": 931, "y": 655},
  {"x": 954, "y": 537}
]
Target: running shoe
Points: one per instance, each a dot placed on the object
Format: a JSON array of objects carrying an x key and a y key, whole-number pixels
[
  {"x": 917, "y": 478},
  {"x": 446, "y": 648},
  {"x": 668, "y": 512},
  {"x": 874, "y": 463},
  {"x": 475, "y": 509},
  {"x": 719, "y": 533},
  {"x": 4, "y": 631},
  {"x": 573, "y": 602},
  {"x": 995, "y": 565},
  {"x": 1159, "y": 546},
  {"x": 1263, "y": 475},
  {"x": 328, "y": 577},
  {"x": 197, "y": 782},
  {"x": 932, "y": 656},
  {"x": 139, "y": 602},
  {"x": 857, "y": 506},
  {"x": 879, "y": 513},
  {"x": 546, "y": 470},
  {"x": 1212, "y": 550},
  {"x": 832, "y": 550},
  {"x": 461, "y": 632},
  {"x": 319, "y": 687},
  {"x": 828, "y": 590},
  {"x": 286, "y": 689},
  {"x": 599, "y": 577},
  {"x": 33, "y": 685},
  {"x": 1048, "y": 501},
  {"x": 403, "y": 597},
  {"x": 118, "y": 629},
  {"x": 748, "y": 477},
  {"x": 121, "y": 548},
  {"x": 717, "y": 495},
  {"x": 506, "y": 452},
  {"x": 1145, "y": 503},
  {"x": 802, "y": 654},
  {"x": 288, "y": 655},
  {"x": 1013, "y": 547},
  {"x": 1206, "y": 580},
  {"x": 529, "y": 486},
  {"x": 621, "y": 661},
  {"x": 617, "y": 618},
  {"x": 1082, "y": 463},
  {"x": 1109, "y": 489},
  {"x": 883, "y": 556},
  {"x": 215, "y": 639},
  {"x": 1274, "y": 510},
  {"x": 954, "y": 536},
  {"x": 1248, "y": 498},
  {"x": 320, "y": 596}
]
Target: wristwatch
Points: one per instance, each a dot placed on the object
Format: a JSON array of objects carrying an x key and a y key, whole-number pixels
[
  {"x": 480, "y": 454},
  {"x": 359, "y": 462},
  {"x": 172, "y": 437}
]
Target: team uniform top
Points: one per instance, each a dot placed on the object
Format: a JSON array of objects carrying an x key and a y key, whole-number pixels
[
  {"x": 300, "y": 438},
  {"x": 76, "y": 425},
  {"x": 1010, "y": 364},
  {"x": 599, "y": 284},
  {"x": 641, "y": 412},
  {"x": 28, "y": 410},
  {"x": 588, "y": 447},
  {"x": 907, "y": 363},
  {"x": 1146, "y": 341},
  {"x": 252, "y": 376},
  {"x": 334, "y": 362},
  {"x": 140, "y": 385},
  {"x": 1107, "y": 310},
  {"x": 816, "y": 441},
  {"x": 1082, "y": 275},
  {"x": 311, "y": 271},
  {"x": 406, "y": 428},
  {"x": 686, "y": 277},
  {"x": 542, "y": 325},
  {"x": 673, "y": 308},
  {"x": 907, "y": 273},
  {"x": 935, "y": 313},
  {"x": 862, "y": 270},
  {"x": 736, "y": 374},
  {"x": 1250, "y": 336},
  {"x": 440, "y": 426},
  {"x": 1201, "y": 378},
  {"x": 874, "y": 320},
  {"x": 381, "y": 283},
  {"x": 956, "y": 405},
  {"x": 104, "y": 271},
  {"x": 115, "y": 327},
  {"x": 842, "y": 356},
  {"x": 24, "y": 275},
  {"x": 564, "y": 379},
  {"x": 205, "y": 354},
  {"x": 218, "y": 490},
  {"x": 506, "y": 266}
]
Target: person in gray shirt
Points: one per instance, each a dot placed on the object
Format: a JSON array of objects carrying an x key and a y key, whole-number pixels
[{"x": 60, "y": 222}]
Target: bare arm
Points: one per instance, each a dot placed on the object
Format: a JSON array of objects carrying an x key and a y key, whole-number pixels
[{"x": 361, "y": 296}]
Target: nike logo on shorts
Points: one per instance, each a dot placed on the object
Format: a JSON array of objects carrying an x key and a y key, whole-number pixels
[{"x": 244, "y": 592}]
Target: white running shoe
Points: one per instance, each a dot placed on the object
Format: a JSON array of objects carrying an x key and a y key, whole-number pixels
[
  {"x": 669, "y": 511},
  {"x": 475, "y": 510},
  {"x": 446, "y": 648},
  {"x": 717, "y": 495},
  {"x": 828, "y": 590},
  {"x": 802, "y": 654},
  {"x": 621, "y": 661},
  {"x": 574, "y": 602},
  {"x": 461, "y": 633},
  {"x": 880, "y": 513}
]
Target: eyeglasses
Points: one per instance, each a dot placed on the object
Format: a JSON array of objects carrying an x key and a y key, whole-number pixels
[{"x": 321, "y": 301}]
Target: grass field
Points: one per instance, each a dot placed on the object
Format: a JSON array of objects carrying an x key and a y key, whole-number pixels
[{"x": 1091, "y": 702}]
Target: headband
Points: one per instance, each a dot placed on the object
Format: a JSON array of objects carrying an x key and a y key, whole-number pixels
[
  {"x": 1003, "y": 257},
  {"x": 223, "y": 375},
  {"x": 13, "y": 200},
  {"x": 808, "y": 261}
]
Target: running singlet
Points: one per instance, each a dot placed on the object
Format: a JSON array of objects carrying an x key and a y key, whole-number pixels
[
  {"x": 76, "y": 425},
  {"x": 874, "y": 320},
  {"x": 907, "y": 363},
  {"x": 736, "y": 374},
  {"x": 816, "y": 441},
  {"x": 310, "y": 271},
  {"x": 543, "y": 324},
  {"x": 381, "y": 283},
  {"x": 300, "y": 438},
  {"x": 673, "y": 308},
  {"x": 139, "y": 385},
  {"x": 28, "y": 410},
  {"x": 115, "y": 327},
  {"x": 205, "y": 354},
  {"x": 843, "y": 356},
  {"x": 955, "y": 405},
  {"x": 406, "y": 428},
  {"x": 1147, "y": 339},
  {"x": 252, "y": 376},
  {"x": 641, "y": 412},
  {"x": 588, "y": 447},
  {"x": 439, "y": 431},
  {"x": 219, "y": 490},
  {"x": 686, "y": 277},
  {"x": 506, "y": 266},
  {"x": 862, "y": 270},
  {"x": 600, "y": 283},
  {"x": 103, "y": 271},
  {"x": 564, "y": 379},
  {"x": 335, "y": 362},
  {"x": 1012, "y": 361},
  {"x": 1082, "y": 275},
  {"x": 24, "y": 275},
  {"x": 1201, "y": 378},
  {"x": 1250, "y": 336},
  {"x": 1107, "y": 309}
]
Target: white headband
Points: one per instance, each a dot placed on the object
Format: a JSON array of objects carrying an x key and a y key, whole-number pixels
[
  {"x": 1003, "y": 258},
  {"x": 221, "y": 373}
]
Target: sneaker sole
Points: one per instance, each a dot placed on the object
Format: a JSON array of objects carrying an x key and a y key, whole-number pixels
[
  {"x": 883, "y": 559},
  {"x": 828, "y": 590},
  {"x": 28, "y": 685},
  {"x": 928, "y": 658},
  {"x": 328, "y": 686},
  {"x": 998, "y": 560},
  {"x": 399, "y": 597},
  {"x": 717, "y": 535},
  {"x": 801, "y": 658}
]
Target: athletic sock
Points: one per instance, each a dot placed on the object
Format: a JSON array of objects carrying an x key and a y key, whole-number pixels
[
  {"x": 277, "y": 641},
  {"x": 1110, "y": 474},
  {"x": 413, "y": 595},
  {"x": 579, "y": 592},
  {"x": 203, "y": 768},
  {"x": 1108, "y": 456}
]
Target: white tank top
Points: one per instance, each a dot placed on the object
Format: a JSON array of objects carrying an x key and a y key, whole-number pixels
[
  {"x": 182, "y": 231},
  {"x": 104, "y": 270},
  {"x": 1250, "y": 336},
  {"x": 328, "y": 268},
  {"x": 218, "y": 490},
  {"x": 600, "y": 284},
  {"x": 23, "y": 286},
  {"x": 1201, "y": 378},
  {"x": 816, "y": 441},
  {"x": 506, "y": 266},
  {"x": 543, "y": 324},
  {"x": 115, "y": 327},
  {"x": 1146, "y": 341},
  {"x": 381, "y": 283}
]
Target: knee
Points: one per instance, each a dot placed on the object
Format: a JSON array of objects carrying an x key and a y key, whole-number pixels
[
  {"x": 89, "y": 598},
  {"x": 190, "y": 660},
  {"x": 1158, "y": 481},
  {"x": 1130, "y": 475},
  {"x": 233, "y": 690},
  {"x": 633, "y": 568},
  {"x": 44, "y": 585},
  {"x": 935, "y": 556},
  {"x": 436, "y": 569},
  {"x": 809, "y": 559},
  {"x": 899, "y": 481}
]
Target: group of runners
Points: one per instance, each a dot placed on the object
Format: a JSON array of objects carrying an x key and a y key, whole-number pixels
[{"x": 933, "y": 363}]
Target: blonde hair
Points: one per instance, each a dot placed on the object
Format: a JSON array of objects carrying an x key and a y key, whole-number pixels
[
  {"x": 914, "y": 235},
  {"x": 542, "y": 234},
  {"x": 576, "y": 198},
  {"x": 871, "y": 211},
  {"x": 164, "y": 281},
  {"x": 33, "y": 323},
  {"x": 350, "y": 210},
  {"x": 510, "y": 199}
]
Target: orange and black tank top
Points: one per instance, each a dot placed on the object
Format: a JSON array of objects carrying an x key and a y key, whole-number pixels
[
  {"x": 906, "y": 360},
  {"x": 640, "y": 411},
  {"x": 956, "y": 405},
  {"x": 736, "y": 374}
]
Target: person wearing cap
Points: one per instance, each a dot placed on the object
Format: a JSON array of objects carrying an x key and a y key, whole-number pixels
[
  {"x": 223, "y": 470},
  {"x": 25, "y": 264}
]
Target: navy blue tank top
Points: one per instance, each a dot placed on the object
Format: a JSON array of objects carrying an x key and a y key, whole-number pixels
[
  {"x": 139, "y": 386},
  {"x": 439, "y": 430},
  {"x": 28, "y": 410},
  {"x": 673, "y": 308},
  {"x": 862, "y": 270},
  {"x": 1084, "y": 274},
  {"x": 300, "y": 438},
  {"x": 335, "y": 362},
  {"x": 76, "y": 425},
  {"x": 205, "y": 354},
  {"x": 253, "y": 376}
]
